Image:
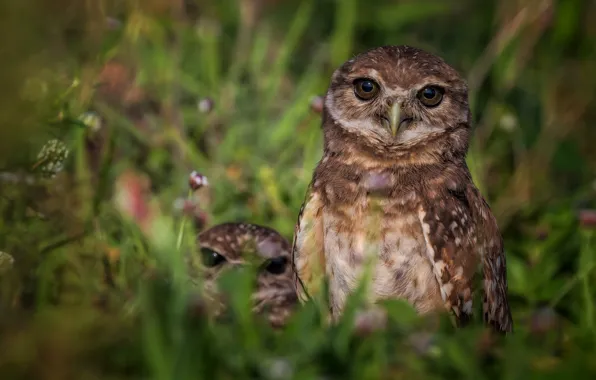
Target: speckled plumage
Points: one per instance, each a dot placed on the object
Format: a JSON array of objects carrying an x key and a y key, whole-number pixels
[
  {"x": 241, "y": 243},
  {"x": 405, "y": 199}
]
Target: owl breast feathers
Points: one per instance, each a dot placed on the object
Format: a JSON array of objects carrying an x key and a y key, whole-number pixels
[{"x": 393, "y": 186}]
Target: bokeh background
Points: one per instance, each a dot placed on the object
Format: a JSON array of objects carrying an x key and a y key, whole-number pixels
[{"x": 107, "y": 106}]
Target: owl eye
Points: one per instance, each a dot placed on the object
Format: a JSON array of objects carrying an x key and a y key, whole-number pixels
[
  {"x": 431, "y": 96},
  {"x": 276, "y": 265},
  {"x": 211, "y": 258},
  {"x": 366, "y": 89}
]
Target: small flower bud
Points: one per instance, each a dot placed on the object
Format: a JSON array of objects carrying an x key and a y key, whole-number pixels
[
  {"x": 185, "y": 206},
  {"x": 422, "y": 342},
  {"x": 279, "y": 368},
  {"x": 369, "y": 321},
  {"x": 378, "y": 182},
  {"x": 91, "y": 121},
  {"x": 200, "y": 220},
  {"x": 543, "y": 320},
  {"x": 205, "y": 105},
  {"x": 316, "y": 104},
  {"x": 587, "y": 218},
  {"x": 197, "y": 180},
  {"x": 6, "y": 262},
  {"x": 113, "y": 23}
]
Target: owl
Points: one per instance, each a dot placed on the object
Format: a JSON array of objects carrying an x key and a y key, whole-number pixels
[
  {"x": 393, "y": 193},
  {"x": 233, "y": 245}
]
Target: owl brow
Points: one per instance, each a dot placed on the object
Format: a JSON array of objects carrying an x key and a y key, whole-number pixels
[
  {"x": 218, "y": 251},
  {"x": 267, "y": 260},
  {"x": 433, "y": 82},
  {"x": 353, "y": 78},
  {"x": 363, "y": 74}
]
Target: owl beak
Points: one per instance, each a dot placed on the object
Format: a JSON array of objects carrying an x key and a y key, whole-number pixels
[
  {"x": 394, "y": 118},
  {"x": 397, "y": 118}
]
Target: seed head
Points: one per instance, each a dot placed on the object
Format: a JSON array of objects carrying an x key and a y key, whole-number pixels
[{"x": 51, "y": 158}]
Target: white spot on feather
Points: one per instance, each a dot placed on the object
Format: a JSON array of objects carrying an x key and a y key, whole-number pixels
[
  {"x": 446, "y": 290},
  {"x": 459, "y": 272},
  {"x": 438, "y": 266},
  {"x": 359, "y": 243}
]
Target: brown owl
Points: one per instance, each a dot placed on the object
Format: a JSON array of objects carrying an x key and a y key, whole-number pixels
[
  {"x": 234, "y": 245},
  {"x": 393, "y": 187}
]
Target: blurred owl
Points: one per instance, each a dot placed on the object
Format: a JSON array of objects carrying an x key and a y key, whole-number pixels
[
  {"x": 393, "y": 186},
  {"x": 230, "y": 246}
]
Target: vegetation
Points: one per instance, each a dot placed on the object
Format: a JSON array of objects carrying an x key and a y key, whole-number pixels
[{"x": 138, "y": 94}]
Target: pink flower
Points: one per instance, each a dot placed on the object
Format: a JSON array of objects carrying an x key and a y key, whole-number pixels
[
  {"x": 317, "y": 103},
  {"x": 131, "y": 196},
  {"x": 205, "y": 105},
  {"x": 196, "y": 180},
  {"x": 587, "y": 218}
]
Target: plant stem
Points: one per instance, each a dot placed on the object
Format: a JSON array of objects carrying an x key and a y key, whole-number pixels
[{"x": 182, "y": 225}]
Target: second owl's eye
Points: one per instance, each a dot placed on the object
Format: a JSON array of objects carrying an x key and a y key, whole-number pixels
[
  {"x": 431, "y": 96},
  {"x": 211, "y": 258},
  {"x": 366, "y": 89},
  {"x": 276, "y": 265}
]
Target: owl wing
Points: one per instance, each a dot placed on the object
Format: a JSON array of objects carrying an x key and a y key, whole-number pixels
[
  {"x": 461, "y": 233},
  {"x": 496, "y": 311},
  {"x": 308, "y": 256}
]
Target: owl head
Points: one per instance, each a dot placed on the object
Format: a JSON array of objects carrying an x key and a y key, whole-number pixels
[
  {"x": 394, "y": 99},
  {"x": 234, "y": 246}
]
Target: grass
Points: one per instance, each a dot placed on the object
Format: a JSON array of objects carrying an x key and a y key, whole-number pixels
[{"x": 92, "y": 281}]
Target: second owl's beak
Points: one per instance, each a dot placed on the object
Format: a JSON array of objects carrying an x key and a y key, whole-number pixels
[{"x": 397, "y": 117}]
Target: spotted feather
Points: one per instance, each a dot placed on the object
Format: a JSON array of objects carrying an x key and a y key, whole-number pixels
[{"x": 461, "y": 234}]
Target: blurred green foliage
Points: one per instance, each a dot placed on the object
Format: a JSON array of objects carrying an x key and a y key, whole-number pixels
[{"x": 225, "y": 87}]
